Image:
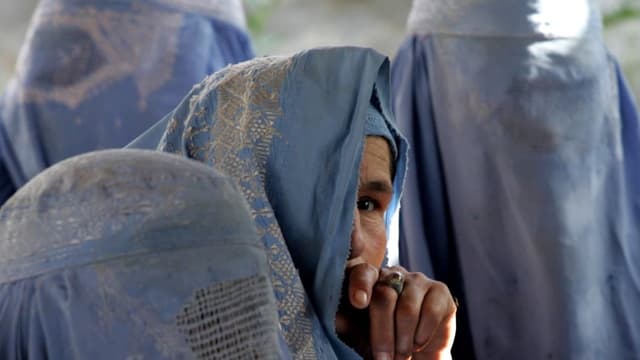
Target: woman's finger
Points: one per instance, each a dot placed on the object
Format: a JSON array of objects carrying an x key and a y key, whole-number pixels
[
  {"x": 437, "y": 306},
  {"x": 440, "y": 347},
  {"x": 362, "y": 278},
  {"x": 408, "y": 309},
  {"x": 382, "y": 317}
]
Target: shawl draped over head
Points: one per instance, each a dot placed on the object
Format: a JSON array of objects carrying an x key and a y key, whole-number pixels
[
  {"x": 95, "y": 74},
  {"x": 525, "y": 194},
  {"x": 132, "y": 254},
  {"x": 290, "y": 131}
]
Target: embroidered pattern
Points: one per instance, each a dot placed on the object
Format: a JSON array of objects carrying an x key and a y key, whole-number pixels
[{"x": 236, "y": 140}]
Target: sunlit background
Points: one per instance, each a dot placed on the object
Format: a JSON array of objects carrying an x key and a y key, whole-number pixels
[{"x": 285, "y": 26}]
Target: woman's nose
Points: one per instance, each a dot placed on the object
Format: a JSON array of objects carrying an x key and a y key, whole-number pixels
[{"x": 357, "y": 239}]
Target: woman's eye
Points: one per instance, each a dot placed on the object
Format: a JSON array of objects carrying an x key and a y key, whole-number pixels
[{"x": 367, "y": 204}]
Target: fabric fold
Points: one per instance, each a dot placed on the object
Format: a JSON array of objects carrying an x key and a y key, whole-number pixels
[
  {"x": 290, "y": 131},
  {"x": 523, "y": 197}
]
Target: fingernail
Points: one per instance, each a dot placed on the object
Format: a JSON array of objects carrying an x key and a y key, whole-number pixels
[
  {"x": 383, "y": 356},
  {"x": 361, "y": 297}
]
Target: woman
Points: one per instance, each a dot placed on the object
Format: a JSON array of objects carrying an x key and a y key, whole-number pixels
[
  {"x": 291, "y": 132},
  {"x": 95, "y": 74},
  {"x": 524, "y": 197},
  {"x": 129, "y": 254}
]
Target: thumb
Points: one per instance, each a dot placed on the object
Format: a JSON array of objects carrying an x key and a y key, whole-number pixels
[{"x": 362, "y": 278}]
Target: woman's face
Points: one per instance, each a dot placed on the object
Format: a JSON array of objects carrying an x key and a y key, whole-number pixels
[{"x": 375, "y": 190}]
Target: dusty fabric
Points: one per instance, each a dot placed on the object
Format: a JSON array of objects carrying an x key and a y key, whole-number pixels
[
  {"x": 110, "y": 255},
  {"x": 94, "y": 74},
  {"x": 524, "y": 196},
  {"x": 290, "y": 131}
]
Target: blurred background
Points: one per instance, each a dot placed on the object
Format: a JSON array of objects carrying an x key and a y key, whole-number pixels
[{"x": 286, "y": 26}]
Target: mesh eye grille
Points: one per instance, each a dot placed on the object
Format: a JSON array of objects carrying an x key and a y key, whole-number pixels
[{"x": 234, "y": 319}]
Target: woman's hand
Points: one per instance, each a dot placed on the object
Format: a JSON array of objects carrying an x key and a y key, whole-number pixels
[{"x": 378, "y": 322}]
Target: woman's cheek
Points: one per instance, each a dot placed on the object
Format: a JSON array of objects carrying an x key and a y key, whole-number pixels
[{"x": 374, "y": 231}]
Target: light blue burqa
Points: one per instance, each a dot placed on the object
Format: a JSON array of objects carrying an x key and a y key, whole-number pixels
[
  {"x": 525, "y": 193},
  {"x": 290, "y": 131},
  {"x": 131, "y": 254},
  {"x": 95, "y": 74}
]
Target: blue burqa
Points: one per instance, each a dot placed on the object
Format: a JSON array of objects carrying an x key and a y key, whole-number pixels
[
  {"x": 290, "y": 131},
  {"x": 94, "y": 74},
  {"x": 524, "y": 196},
  {"x": 132, "y": 254}
]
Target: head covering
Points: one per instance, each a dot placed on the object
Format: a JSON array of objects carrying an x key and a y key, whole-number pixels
[
  {"x": 525, "y": 191},
  {"x": 375, "y": 125},
  {"x": 95, "y": 74},
  {"x": 290, "y": 131},
  {"x": 126, "y": 254}
]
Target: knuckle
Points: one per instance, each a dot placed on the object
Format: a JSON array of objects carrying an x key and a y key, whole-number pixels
[
  {"x": 440, "y": 288},
  {"x": 384, "y": 296},
  {"x": 434, "y": 307},
  {"x": 406, "y": 310},
  {"x": 418, "y": 278},
  {"x": 363, "y": 269},
  {"x": 362, "y": 274}
]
